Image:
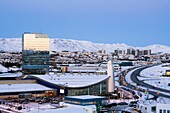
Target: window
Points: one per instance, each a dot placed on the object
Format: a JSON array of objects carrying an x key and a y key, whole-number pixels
[
  {"x": 153, "y": 109},
  {"x": 168, "y": 111},
  {"x": 164, "y": 111},
  {"x": 160, "y": 111}
]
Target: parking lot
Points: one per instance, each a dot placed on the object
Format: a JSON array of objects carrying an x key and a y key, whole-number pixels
[{"x": 35, "y": 103}]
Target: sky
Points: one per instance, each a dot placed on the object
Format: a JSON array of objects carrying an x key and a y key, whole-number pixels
[{"x": 134, "y": 22}]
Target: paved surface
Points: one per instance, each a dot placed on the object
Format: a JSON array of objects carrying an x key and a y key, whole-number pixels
[
  {"x": 5, "y": 109},
  {"x": 141, "y": 83}
]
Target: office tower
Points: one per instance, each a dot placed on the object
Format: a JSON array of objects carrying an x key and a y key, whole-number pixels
[
  {"x": 129, "y": 51},
  {"x": 150, "y": 52},
  {"x": 35, "y": 52},
  {"x": 116, "y": 52},
  {"x": 102, "y": 52},
  {"x": 133, "y": 52},
  {"x": 137, "y": 52},
  {"x": 147, "y": 52}
]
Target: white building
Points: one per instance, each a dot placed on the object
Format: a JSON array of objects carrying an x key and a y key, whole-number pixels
[{"x": 162, "y": 108}]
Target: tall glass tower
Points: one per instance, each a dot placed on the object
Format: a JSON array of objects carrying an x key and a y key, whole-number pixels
[{"x": 35, "y": 53}]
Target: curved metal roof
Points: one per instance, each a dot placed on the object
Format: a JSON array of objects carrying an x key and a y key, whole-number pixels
[{"x": 73, "y": 81}]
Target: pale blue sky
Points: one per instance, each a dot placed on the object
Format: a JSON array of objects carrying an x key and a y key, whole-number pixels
[{"x": 134, "y": 22}]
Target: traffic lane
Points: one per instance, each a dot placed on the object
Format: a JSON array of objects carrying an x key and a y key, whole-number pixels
[{"x": 136, "y": 80}]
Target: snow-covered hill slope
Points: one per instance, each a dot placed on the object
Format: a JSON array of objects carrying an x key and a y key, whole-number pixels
[
  {"x": 156, "y": 48},
  {"x": 11, "y": 44},
  {"x": 76, "y": 45},
  {"x": 56, "y": 44}
]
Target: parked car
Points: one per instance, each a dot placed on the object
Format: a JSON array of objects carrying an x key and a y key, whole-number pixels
[
  {"x": 54, "y": 102},
  {"x": 122, "y": 103},
  {"x": 110, "y": 105},
  {"x": 133, "y": 103},
  {"x": 125, "y": 111}
]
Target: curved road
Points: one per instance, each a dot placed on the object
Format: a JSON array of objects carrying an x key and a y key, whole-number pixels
[{"x": 143, "y": 84}]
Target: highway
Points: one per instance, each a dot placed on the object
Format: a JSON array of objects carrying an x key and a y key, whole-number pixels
[{"x": 141, "y": 83}]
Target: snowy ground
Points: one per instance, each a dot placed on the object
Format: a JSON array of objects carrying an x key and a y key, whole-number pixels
[
  {"x": 153, "y": 76},
  {"x": 48, "y": 108},
  {"x": 155, "y": 71}
]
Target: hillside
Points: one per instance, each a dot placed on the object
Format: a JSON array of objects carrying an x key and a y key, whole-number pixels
[{"x": 56, "y": 44}]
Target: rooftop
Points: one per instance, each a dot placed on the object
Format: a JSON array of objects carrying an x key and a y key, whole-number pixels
[
  {"x": 10, "y": 75},
  {"x": 7, "y": 88},
  {"x": 75, "y": 80}
]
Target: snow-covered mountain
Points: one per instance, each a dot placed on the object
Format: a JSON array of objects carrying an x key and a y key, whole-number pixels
[
  {"x": 11, "y": 44},
  {"x": 76, "y": 45},
  {"x": 56, "y": 44},
  {"x": 156, "y": 48}
]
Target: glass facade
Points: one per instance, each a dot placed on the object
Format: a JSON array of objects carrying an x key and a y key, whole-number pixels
[
  {"x": 84, "y": 102},
  {"x": 91, "y": 90},
  {"x": 35, "y": 52}
]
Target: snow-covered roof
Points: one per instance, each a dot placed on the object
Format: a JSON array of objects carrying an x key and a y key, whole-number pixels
[
  {"x": 3, "y": 69},
  {"x": 74, "y": 80},
  {"x": 10, "y": 75},
  {"x": 21, "y": 88}
]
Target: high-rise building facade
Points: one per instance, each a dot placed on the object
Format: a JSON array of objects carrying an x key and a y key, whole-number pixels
[{"x": 35, "y": 53}]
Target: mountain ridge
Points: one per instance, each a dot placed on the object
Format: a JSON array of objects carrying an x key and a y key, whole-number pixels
[{"x": 59, "y": 44}]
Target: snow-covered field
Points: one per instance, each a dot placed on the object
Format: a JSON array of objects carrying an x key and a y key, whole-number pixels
[
  {"x": 155, "y": 71},
  {"x": 153, "y": 76}
]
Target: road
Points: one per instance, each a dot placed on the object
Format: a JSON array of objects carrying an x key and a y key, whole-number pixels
[{"x": 148, "y": 86}]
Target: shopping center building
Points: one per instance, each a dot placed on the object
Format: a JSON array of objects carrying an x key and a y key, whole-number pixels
[{"x": 35, "y": 52}]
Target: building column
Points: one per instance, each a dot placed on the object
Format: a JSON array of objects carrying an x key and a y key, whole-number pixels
[
  {"x": 88, "y": 91},
  {"x": 100, "y": 88},
  {"x": 111, "y": 80}
]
